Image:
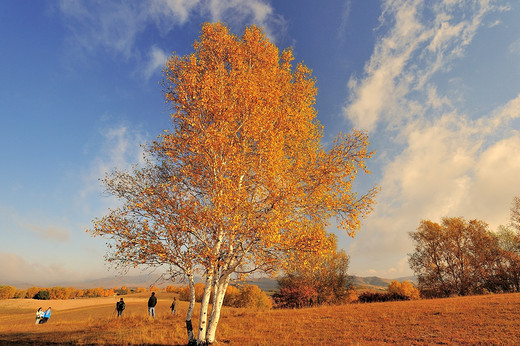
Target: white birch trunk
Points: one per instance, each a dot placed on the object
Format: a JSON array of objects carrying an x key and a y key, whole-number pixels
[
  {"x": 201, "y": 339},
  {"x": 220, "y": 292},
  {"x": 189, "y": 314}
]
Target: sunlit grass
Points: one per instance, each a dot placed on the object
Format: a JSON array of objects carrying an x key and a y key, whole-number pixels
[{"x": 492, "y": 319}]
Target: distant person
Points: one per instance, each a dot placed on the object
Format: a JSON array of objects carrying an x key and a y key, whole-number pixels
[
  {"x": 46, "y": 315},
  {"x": 152, "y": 302},
  {"x": 172, "y": 307},
  {"x": 39, "y": 315},
  {"x": 120, "y": 306}
]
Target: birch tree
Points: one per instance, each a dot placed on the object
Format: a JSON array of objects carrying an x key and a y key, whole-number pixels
[{"x": 241, "y": 182}]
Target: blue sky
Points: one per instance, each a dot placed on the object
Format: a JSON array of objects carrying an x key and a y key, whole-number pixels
[{"x": 436, "y": 85}]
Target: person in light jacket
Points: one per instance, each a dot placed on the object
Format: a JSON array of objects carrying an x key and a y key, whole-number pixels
[{"x": 39, "y": 315}]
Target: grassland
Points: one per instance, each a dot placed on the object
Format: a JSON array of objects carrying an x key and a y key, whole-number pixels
[{"x": 484, "y": 320}]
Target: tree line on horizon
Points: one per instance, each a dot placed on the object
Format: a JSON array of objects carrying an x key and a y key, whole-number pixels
[
  {"x": 464, "y": 257},
  {"x": 60, "y": 292}
]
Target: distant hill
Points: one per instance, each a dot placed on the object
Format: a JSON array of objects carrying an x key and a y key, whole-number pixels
[
  {"x": 375, "y": 282},
  {"x": 147, "y": 280}
]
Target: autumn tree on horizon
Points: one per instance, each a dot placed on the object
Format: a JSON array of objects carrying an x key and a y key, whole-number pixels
[
  {"x": 451, "y": 258},
  {"x": 315, "y": 280},
  {"x": 241, "y": 183}
]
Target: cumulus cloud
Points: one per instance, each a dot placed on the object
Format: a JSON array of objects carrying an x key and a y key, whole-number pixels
[
  {"x": 450, "y": 163},
  {"x": 442, "y": 172}
]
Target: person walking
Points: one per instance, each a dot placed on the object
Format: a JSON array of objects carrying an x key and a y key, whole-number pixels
[
  {"x": 152, "y": 302},
  {"x": 120, "y": 306},
  {"x": 172, "y": 307}
]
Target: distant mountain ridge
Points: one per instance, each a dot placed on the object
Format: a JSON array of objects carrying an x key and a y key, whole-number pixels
[
  {"x": 147, "y": 280},
  {"x": 378, "y": 283}
]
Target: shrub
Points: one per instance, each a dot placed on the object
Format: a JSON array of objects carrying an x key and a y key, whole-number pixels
[
  {"x": 95, "y": 292},
  {"x": 31, "y": 292},
  {"x": 351, "y": 296},
  {"x": 20, "y": 294},
  {"x": 184, "y": 292},
  {"x": 404, "y": 288},
  {"x": 231, "y": 295},
  {"x": 42, "y": 295},
  {"x": 250, "y": 296},
  {"x": 122, "y": 291},
  {"x": 374, "y": 297},
  {"x": 295, "y": 294},
  {"x": 319, "y": 279},
  {"x": 7, "y": 292},
  {"x": 172, "y": 289}
]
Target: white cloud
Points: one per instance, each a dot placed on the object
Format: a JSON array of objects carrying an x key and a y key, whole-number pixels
[
  {"x": 166, "y": 10},
  {"x": 120, "y": 148},
  {"x": 115, "y": 26},
  {"x": 406, "y": 58},
  {"x": 345, "y": 15},
  {"x": 495, "y": 182},
  {"x": 157, "y": 61},
  {"x": 510, "y": 111},
  {"x": 449, "y": 163}
]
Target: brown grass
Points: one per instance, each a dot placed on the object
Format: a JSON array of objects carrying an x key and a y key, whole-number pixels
[{"x": 484, "y": 320}]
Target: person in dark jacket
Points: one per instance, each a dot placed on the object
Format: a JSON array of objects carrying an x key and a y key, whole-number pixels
[
  {"x": 172, "y": 307},
  {"x": 152, "y": 302},
  {"x": 120, "y": 306}
]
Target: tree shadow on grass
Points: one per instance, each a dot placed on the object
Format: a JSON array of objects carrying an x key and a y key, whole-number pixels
[{"x": 24, "y": 339}]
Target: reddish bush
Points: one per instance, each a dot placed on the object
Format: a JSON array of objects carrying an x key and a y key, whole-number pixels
[{"x": 294, "y": 292}]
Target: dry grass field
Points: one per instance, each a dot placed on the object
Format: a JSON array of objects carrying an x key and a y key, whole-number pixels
[{"x": 481, "y": 320}]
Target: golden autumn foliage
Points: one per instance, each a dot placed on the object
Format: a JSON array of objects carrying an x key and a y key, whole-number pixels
[
  {"x": 7, "y": 292},
  {"x": 463, "y": 257},
  {"x": 404, "y": 288},
  {"x": 315, "y": 280},
  {"x": 63, "y": 293},
  {"x": 242, "y": 181}
]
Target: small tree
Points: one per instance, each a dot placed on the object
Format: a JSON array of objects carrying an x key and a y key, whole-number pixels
[
  {"x": 320, "y": 279},
  {"x": 123, "y": 290},
  {"x": 31, "y": 292},
  {"x": 404, "y": 288},
  {"x": 242, "y": 183},
  {"x": 231, "y": 296},
  {"x": 250, "y": 296},
  {"x": 515, "y": 214},
  {"x": 42, "y": 295},
  {"x": 295, "y": 292},
  {"x": 7, "y": 292},
  {"x": 456, "y": 257}
]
